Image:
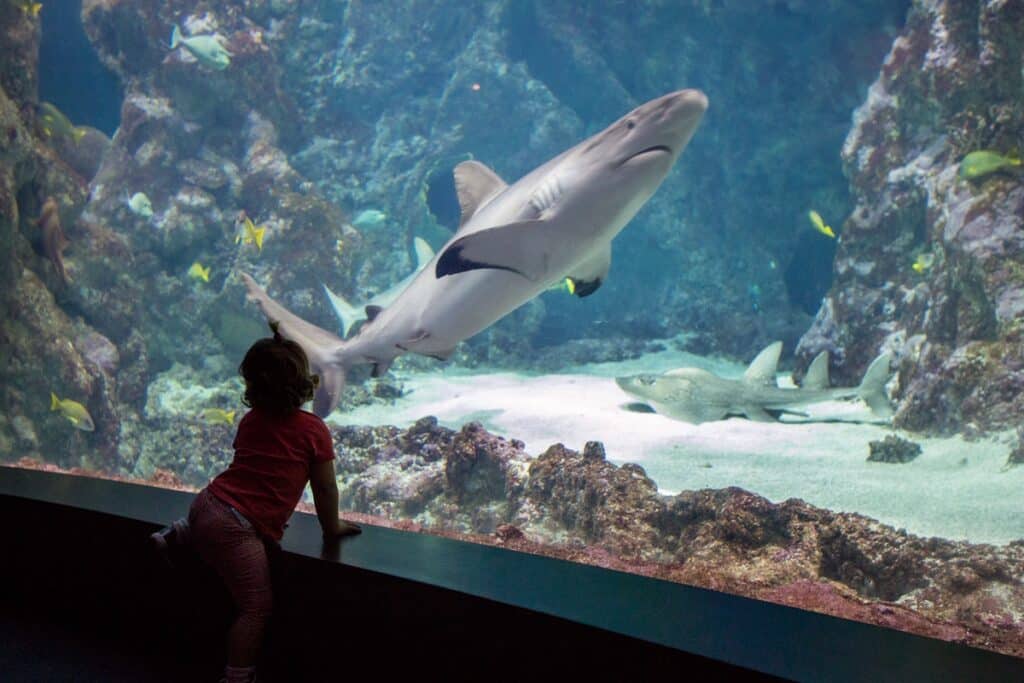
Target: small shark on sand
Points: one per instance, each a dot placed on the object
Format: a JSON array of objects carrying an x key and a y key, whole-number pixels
[
  {"x": 695, "y": 395},
  {"x": 513, "y": 242}
]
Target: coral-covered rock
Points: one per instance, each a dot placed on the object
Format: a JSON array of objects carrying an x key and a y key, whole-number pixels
[
  {"x": 893, "y": 449},
  {"x": 950, "y": 85},
  {"x": 581, "y": 507}
]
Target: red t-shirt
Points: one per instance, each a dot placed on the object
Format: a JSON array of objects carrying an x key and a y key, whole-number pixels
[{"x": 273, "y": 454}]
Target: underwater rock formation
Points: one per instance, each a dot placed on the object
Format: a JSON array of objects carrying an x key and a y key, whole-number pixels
[
  {"x": 581, "y": 507},
  {"x": 952, "y": 84},
  {"x": 47, "y": 346},
  {"x": 893, "y": 449}
]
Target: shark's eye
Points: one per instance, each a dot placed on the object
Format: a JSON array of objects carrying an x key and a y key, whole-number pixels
[
  {"x": 646, "y": 380},
  {"x": 631, "y": 124}
]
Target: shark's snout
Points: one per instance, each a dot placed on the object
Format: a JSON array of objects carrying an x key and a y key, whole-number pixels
[{"x": 681, "y": 115}]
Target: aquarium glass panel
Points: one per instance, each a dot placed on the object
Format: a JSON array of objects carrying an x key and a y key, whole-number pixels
[{"x": 727, "y": 293}]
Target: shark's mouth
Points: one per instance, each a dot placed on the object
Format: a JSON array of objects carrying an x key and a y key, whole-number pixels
[{"x": 649, "y": 150}]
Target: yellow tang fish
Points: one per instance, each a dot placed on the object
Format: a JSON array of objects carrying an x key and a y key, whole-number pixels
[
  {"x": 56, "y": 123},
  {"x": 251, "y": 234},
  {"x": 198, "y": 272},
  {"x": 984, "y": 162},
  {"x": 819, "y": 224},
  {"x": 218, "y": 416},
  {"x": 31, "y": 8},
  {"x": 923, "y": 262},
  {"x": 73, "y": 411}
]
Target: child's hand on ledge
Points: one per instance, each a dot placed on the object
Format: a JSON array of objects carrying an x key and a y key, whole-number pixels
[{"x": 343, "y": 528}]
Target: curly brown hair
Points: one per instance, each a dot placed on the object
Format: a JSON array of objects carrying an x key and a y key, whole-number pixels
[{"x": 276, "y": 374}]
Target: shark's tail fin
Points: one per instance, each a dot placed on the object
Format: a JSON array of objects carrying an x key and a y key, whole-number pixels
[
  {"x": 324, "y": 350},
  {"x": 872, "y": 387},
  {"x": 347, "y": 314}
]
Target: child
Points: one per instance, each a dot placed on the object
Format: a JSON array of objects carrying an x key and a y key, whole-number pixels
[{"x": 278, "y": 448}]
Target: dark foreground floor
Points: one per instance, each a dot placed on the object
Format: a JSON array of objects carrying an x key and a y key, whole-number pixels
[{"x": 84, "y": 598}]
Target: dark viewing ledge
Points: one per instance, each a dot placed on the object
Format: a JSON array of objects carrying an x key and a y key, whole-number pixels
[{"x": 406, "y": 604}]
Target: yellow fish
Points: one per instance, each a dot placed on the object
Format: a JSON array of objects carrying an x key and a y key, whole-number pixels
[
  {"x": 984, "y": 162},
  {"x": 56, "y": 123},
  {"x": 340, "y": 246},
  {"x": 566, "y": 284},
  {"x": 251, "y": 234},
  {"x": 31, "y": 8},
  {"x": 73, "y": 411},
  {"x": 218, "y": 416},
  {"x": 198, "y": 272},
  {"x": 819, "y": 224},
  {"x": 923, "y": 262}
]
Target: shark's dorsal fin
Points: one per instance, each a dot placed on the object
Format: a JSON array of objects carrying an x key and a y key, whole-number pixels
[
  {"x": 423, "y": 252},
  {"x": 588, "y": 276},
  {"x": 872, "y": 386},
  {"x": 372, "y": 312},
  {"x": 475, "y": 184},
  {"x": 762, "y": 370},
  {"x": 817, "y": 373}
]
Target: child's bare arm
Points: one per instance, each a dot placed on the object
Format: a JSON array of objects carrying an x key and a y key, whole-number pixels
[{"x": 325, "y": 498}]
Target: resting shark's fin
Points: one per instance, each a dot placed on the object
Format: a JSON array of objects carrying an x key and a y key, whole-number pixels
[
  {"x": 346, "y": 313},
  {"x": 324, "y": 350},
  {"x": 516, "y": 247},
  {"x": 817, "y": 373},
  {"x": 872, "y": 387},
  {"x": 763, "y": 368},
  {"x": 588, "y": 276},
  {"x": 475, "y": 185},
  {"x": 423, "y": 252}
]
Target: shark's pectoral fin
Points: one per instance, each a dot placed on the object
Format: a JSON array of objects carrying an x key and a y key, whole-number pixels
[
  {"x": 475, "y": 184},
  {"x": 521, "y": 248},
  {"x": 588, "y": 276},
  {"x": 692, "y": 411},
  {"x": 380, "y": 367}
]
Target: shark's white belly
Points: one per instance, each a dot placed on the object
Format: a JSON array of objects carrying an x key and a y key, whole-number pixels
[{"x": 434, "y": 315}]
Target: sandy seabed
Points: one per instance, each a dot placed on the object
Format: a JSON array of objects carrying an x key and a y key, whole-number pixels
[{"x": 955, "y": 489}]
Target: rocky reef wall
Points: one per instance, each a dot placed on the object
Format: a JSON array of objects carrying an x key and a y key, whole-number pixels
[{"x": 953, "y": 83}]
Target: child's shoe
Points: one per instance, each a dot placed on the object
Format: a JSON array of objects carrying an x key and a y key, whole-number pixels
[{"x": 170, "y": 539}]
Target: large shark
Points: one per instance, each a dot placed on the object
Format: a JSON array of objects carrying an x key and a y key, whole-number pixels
[
  {"x": 695, "y": 395},
  {"x": 513, "y": 242},
  {"x": 349, "y": 314}
]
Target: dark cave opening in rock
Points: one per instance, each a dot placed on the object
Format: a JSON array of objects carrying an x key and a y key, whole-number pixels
[
  {"x": 809, "y": 273},
  {"x": 71, "y": 75},
  {"x": 442, "y": 200}
]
